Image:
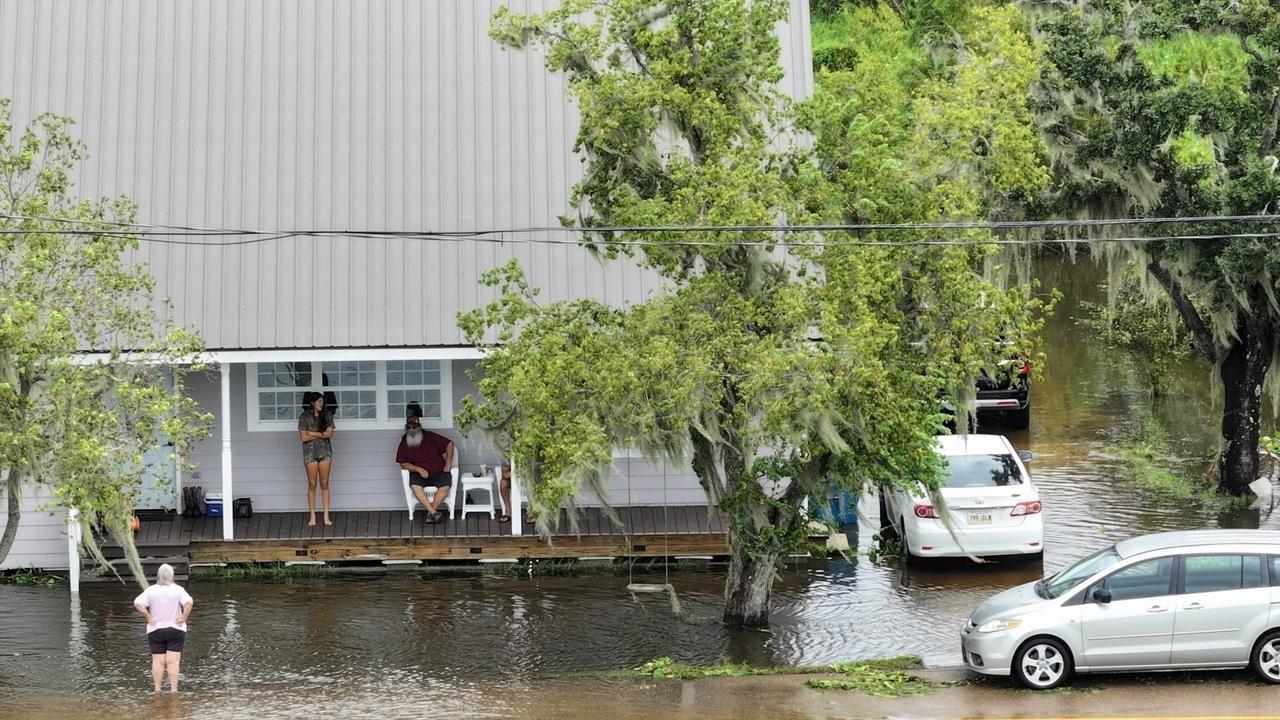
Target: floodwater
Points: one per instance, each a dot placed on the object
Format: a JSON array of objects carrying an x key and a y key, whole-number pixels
[{"x": 409, "y": 644}]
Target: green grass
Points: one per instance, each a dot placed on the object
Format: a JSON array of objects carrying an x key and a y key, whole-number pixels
[
  {"x": 254, "y": 571},
  {"x": 1147, "y": 461},
  {"x": 888, "y": 678},
  {"x": 30, "y": 578},
  {"x": 884, "y": 678}
]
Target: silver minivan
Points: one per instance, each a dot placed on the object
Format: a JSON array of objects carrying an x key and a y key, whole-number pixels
[{"x": 1199, "y": 599}]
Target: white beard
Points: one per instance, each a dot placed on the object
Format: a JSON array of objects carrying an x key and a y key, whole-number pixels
[{"x": 413, "y": 438}]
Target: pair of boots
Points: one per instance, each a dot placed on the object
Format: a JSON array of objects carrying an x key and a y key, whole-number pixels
[{"x": 193, "y": 502}]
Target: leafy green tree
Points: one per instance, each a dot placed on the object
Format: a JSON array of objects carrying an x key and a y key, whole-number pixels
[
  {"x": 1142, "y": 326},
  {"x": 83, "y": 428},
  {"x": 777, "y": 366},
  {"x": 1170, "y": 108}
]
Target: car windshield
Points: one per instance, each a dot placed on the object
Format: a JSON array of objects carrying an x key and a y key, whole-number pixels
[
  {"x": 1067, "y": 578},
  {"x": 969, "y": 471}
]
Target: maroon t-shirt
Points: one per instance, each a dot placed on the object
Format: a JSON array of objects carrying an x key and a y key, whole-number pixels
[{"x": 428, "y": 455}]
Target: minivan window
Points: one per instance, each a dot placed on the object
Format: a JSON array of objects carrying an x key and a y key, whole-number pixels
[
  {"x": 1274, "y": 562},
  {"x": 967, "y": 471},
  {"x": 1215, "y": 573},
  {"x": 1150, "y": 578},
  {"x": 1067, "y": 578}
]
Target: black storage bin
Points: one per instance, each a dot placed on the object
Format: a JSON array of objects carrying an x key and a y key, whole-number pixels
[{"x": 242, "y": 508}]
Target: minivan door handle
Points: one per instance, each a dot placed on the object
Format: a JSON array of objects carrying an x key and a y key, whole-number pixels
[
  {"x": 1157, "y": 609},
  {"x": 1192, "y": 606}
]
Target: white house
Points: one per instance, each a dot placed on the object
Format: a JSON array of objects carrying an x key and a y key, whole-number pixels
[{"x": 323, "y": 114}]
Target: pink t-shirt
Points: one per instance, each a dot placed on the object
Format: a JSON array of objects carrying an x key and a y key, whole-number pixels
[{"x": 165, "y": 603}]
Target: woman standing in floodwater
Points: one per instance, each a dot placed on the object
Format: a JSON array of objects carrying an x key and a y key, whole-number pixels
[
  {"x": 166, "y": 607},
  {"x": 315, "y": 428}
]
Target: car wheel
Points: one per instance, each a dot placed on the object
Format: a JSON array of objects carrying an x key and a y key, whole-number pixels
[
  {"x": 887, "y": 530},
  {"x": 1266, "y": 657},
  {"x": 906, "y": 546},
  {"x": 1042, "y": 664},
  {"x": 1018, "y": 419}
]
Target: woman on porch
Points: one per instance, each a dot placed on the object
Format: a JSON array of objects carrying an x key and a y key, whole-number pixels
[{"x": 315, "y": 429}]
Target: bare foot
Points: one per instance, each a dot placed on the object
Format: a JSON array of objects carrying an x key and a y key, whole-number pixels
[
  {"x": 312, "y": 521},
  {"x": 327, "y": 521}
]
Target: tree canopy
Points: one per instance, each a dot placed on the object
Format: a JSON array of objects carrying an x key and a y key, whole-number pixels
[
  {"x": 86, "y": 399},
  {"x": 775, "y": 365},
  {"x": 1169, "y": 108}
]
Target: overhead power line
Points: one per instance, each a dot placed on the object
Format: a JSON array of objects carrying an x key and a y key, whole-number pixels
[{"x": 224, "y": 237}]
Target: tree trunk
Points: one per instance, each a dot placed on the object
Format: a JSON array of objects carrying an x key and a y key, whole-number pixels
[
  {"x": 1243, "y": 372},
  {"x": 747, "y": 589},
  {"x": 13, "y": 488}
]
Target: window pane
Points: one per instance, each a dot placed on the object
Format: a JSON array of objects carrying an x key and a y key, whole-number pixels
[
  {"x": 1211, "y": 573},
  {"x": 284, "y": 374},
  {"x": 1253, "y": 576},
  {"x": 981, "y": 471},
  {"x": 1274, "y": 562},
  {"x": 1144, "y": 580}
]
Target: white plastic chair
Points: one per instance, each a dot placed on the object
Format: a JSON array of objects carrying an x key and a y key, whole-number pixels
[
  {"x": 412, "y": 501},
  {"x": 488, "y": 484}
]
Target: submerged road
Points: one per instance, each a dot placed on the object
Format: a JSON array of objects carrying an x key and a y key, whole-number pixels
[{"x": 1132, "y": 697}]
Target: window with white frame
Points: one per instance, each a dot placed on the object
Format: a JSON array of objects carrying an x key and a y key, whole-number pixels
[{"x": 363, "y": 394}]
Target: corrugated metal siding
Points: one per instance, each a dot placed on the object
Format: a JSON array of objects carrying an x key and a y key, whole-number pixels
[
  {"x": 42, "y": 534},
  {"x": 322, "y": 114},
  {"x": 268, "y": 465}
]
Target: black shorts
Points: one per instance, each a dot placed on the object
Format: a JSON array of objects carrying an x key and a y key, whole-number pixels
[
  {"x": 166, "y": 640},
  {"x": 439, "y": 480}
]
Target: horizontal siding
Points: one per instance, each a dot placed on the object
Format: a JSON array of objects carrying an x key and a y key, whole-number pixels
[
  {"x": 322, "y": 115},
  {"x": 267, "y": 466},
  {"x": 42, "y": 534}
]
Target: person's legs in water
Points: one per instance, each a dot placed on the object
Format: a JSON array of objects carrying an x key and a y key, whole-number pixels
[
  {"x": 157, "y": 670},
  {"x": 171, "y": 661},
  {"x": 324, "y": 466},
  {"x": 313, "y": 471}
]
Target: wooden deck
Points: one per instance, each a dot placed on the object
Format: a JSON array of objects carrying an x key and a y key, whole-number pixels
[{"x": 389, "y": 535}]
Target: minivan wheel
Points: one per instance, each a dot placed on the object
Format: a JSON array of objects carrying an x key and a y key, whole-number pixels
[
  {"x": 1042, "y": 664},
  {"x": 1266, "y": 657}
]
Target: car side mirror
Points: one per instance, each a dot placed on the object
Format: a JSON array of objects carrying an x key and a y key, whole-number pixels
[
  {"x": 1102, "y": 596},
  {"x": 1025, "y": 455}
]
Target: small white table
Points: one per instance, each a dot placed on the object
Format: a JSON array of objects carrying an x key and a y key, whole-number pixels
[{"x": 470, "y": 482}]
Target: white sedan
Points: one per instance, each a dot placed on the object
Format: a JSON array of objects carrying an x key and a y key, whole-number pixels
[{"x": 987, "y": 495}]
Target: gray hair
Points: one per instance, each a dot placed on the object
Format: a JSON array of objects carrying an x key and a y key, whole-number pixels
[{"x": 164, "y": 576}]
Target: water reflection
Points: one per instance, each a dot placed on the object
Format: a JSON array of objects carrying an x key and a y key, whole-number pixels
[{"x": 415, "y": 644}]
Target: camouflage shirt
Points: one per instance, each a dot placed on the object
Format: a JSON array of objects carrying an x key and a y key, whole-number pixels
[{"x": 316, "y": 450}]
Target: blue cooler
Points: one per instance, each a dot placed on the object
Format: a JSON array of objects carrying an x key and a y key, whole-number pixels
[{"x": 213, "y": 505}]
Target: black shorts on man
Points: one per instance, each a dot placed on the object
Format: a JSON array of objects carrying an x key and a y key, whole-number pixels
[
  {"x": 163, "y": 640},
  {"x": 438, "y": 480}
]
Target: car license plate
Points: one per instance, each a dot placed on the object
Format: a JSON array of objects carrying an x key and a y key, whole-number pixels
[{"x": 983, "y": 518}]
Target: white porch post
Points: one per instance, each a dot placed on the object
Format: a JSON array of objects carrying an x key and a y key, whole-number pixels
[
  {"x": 228, "y": 532},
  {"x": 73, "y": 548},
  {"x": 517, "y": 515}
]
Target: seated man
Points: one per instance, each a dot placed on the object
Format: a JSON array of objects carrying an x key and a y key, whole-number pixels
[{"x": 427, "y": 456}]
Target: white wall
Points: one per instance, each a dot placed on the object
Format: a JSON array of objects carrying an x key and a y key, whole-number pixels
[
  {"x": 42, "y": 534},
  {"x": 268, "y": 465}
]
